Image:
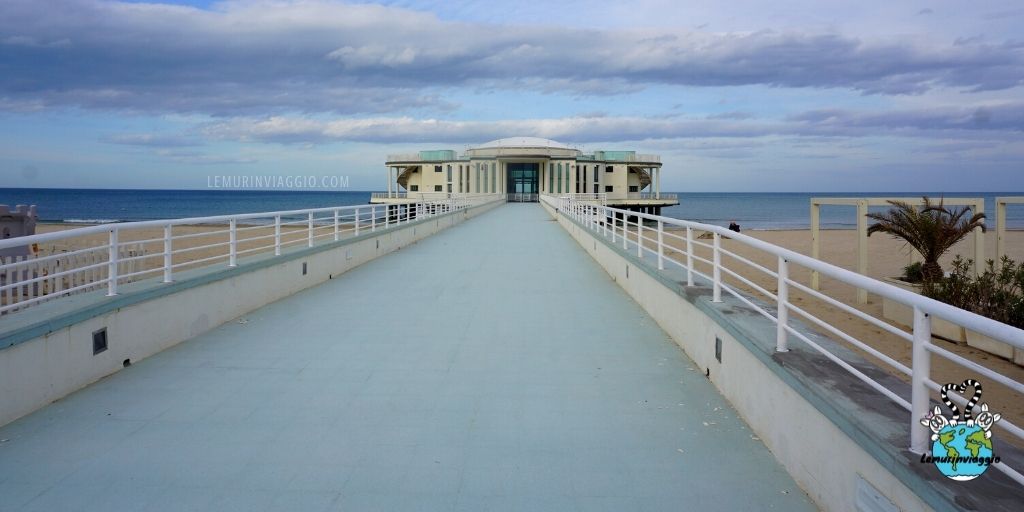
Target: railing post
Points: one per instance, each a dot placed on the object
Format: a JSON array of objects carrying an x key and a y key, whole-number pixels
[
  {"x": 782, "y": 307},
  {"x": 277, "y": 235},
  {"x": 716, "y": 294},
  {"x": 168, "y": 259},
  {"x": 233, "y": 243},
  {"x": 689, "y": 256},
  {"x": 112, "y": 264},
  {"x": 336, "y": 234},
  {"x": 661, "y": 245},
  {"x": 357, "y": 221},
  {"x": 309, "y": 232},
  {"x": 625, "y": 231},
  {"x": 373, "y": 218},
  {"x": 614, "y": 222},
  {"x": 604, "y": 222},
  {"x": 920, "y": 374},
  {"x": 639, "y": 237}
]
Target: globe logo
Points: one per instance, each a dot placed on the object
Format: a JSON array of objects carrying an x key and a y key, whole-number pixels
[
  {"x": 962, "y": 452},
  {"x": 961, "y": 446}
]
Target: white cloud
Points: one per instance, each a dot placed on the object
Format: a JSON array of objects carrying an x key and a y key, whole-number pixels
[{"x": 261, "y": 57}]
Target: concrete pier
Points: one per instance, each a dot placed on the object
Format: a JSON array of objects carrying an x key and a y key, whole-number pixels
[{"x": 493, "y": 366}]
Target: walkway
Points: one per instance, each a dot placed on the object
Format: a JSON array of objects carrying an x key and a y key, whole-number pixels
[{"x": 493, "y": 366}]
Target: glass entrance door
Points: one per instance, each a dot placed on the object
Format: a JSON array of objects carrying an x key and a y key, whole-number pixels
[{"x": 522, "y": 178}]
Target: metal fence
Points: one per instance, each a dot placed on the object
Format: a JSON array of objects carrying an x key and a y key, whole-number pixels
[
  {"x": 112, "y": 254},
  {"x": 647, "y": 234}
]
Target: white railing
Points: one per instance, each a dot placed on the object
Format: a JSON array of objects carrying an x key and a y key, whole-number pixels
[
  {"x": 424, "y": 196},
  {"x": 389, "y": 195},
  {"x": 651, "y": 195},
  {"x": 404, "y": 157},
  {"x": 522, "y": 197},
  {"x": 647, "y": 234},
  {"x": 600, "y": 198},
  {"x": 123, "y": 252},
  {"x": 644, "y": 158}
]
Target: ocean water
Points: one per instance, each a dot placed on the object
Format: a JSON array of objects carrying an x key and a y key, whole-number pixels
[
  {"x": 793, "y": 210},
  {"x": 750, "y": 210}
]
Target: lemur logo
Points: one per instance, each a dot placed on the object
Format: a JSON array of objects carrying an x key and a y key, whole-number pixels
[{"x": 961, "y": 446}]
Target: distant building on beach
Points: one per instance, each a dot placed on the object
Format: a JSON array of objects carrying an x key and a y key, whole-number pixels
[
  {"x": 20, "y": 222},
  {"x": 524, "y": 167}
]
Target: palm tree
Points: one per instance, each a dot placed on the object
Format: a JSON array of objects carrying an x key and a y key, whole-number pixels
[{"x": 931, "y": 229}]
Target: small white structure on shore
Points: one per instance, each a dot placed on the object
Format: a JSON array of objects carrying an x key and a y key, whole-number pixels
[{"x": 20, "y": 222}]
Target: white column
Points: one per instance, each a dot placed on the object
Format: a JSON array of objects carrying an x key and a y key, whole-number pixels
[
  {"x": 862, "y": 247},
  {"x": 815, "y": 240},
  {"x": 389, "y": 181},
  {"x": 657, "y": 188},
  {"x": 979, "y": 241},
  {"x": 1000, "y": 230}
]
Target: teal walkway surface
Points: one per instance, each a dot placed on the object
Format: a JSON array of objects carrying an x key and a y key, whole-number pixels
[{"x": 493, "y": 366}]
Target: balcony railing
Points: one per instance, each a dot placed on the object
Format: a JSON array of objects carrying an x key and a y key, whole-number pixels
[
  {"x": 425, "y": 196},
  {"x": 109, "y": 255},
  {"x": 652, "y": 195},
  {"x": 404, "y": 157},
  {"x": 729, "y": 272}
]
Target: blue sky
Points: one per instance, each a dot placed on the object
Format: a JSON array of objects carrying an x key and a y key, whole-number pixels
[{"x": 790, "y": 95}]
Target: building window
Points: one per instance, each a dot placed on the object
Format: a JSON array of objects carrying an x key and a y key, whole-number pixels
[
  {"x": 494, "y": 178},
  {"x": 609, "y": 169},
  {"x": 437, "y": 168},
  {"x": 414, "y": 188},
  {"x": 551, "y": 178},
  {"x": 560, "y": 179},
  {"x": 449, "y": 188},
  {"x": 596, "y": 169},
  {"x": 634, "y": 188},
  {"x": 596, "y": 189},
  {"x": 609, "y": 188},
  {"x": 438, "y": 188},
  {"x": 449, "y": 173}
]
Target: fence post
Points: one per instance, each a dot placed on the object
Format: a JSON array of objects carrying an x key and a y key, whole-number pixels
[
  {"x": 689, "y": 256},
  {"x": 357, "y": 222},
  {"x": 625, "y": 231},
  {"x": 112, "y": 264},
  {"x": 920, "y": 374},
  {"x": 168, "y": 256},
  {"x": 782, "y": 315},
  {"x": 661, "y": 245},
  {"x": 373, "y": 218},
  {"x": 309, "y": 232},
  {"x": 639, "y": 237},
  {"x": 336, "y": 235},
  {"x": 716, "y": 295},
  {"x": 277, "y": 235},
  {"x": 233, "y": 233}
]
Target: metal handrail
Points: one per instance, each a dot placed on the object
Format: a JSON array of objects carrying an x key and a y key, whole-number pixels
[
  {"x": 651, "y": 195},
  {"x": 614, "y": 224},
  {"x": 307, "y": 227}
]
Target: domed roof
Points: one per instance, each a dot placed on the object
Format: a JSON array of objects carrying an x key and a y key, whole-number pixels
[{"x": 523, "y": 142}]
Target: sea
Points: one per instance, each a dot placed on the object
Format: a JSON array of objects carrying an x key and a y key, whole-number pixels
[{"x": 757, "y": 211}]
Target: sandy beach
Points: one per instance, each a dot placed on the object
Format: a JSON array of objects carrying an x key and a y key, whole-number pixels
[{"x": 886, "y": 257}]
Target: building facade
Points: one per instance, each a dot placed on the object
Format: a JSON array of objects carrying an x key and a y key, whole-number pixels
[{"x": 523, "y": 168}]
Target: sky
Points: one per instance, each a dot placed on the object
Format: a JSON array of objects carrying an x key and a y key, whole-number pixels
[{"x": 744, "y": 96}]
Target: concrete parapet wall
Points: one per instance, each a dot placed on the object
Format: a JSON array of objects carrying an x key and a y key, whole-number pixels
[
  {"x": 46, "y": 352},
  {"x": 844, "y": 447}
]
